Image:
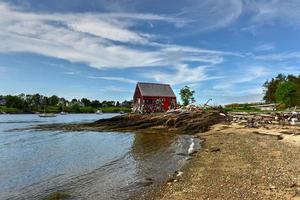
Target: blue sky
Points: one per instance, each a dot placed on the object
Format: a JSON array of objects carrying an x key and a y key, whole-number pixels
[{"x": 224, "y": 50}]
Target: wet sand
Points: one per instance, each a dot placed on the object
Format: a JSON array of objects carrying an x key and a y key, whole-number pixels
[{"x": 240, "y": 163}]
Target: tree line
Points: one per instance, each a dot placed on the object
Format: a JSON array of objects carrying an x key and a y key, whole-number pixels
[
  {"x": 284, "y": 90},
  {"x": 28, "y": 103}
]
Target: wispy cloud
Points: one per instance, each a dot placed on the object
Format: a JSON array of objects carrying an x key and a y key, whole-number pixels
[
  {"x": 265, "y": 47},
  {"x": 249, "y": 75},
  {"x": 271, "y": 12},
  {"x": 279, "y": 56},
  {"x": 71, "y": 73},
  {"x": 114, "y": 89},
  {"x": 183, "y": 74},
  {"x": 213, "y": 14},
  {"x": 121, "y": 79},
  {"x": 94, "y": 39}
]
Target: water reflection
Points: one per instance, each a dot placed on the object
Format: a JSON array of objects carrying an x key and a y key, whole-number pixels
[{"x": 86, "y": 165}]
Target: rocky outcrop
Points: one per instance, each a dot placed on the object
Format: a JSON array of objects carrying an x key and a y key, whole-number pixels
[{"x": 183, "y": 122}]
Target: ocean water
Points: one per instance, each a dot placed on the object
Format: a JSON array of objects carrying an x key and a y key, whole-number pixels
[{"x": 85, "y": 165}]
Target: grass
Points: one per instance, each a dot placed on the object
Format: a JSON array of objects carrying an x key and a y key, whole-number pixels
[{"x": 9, "y": 110}]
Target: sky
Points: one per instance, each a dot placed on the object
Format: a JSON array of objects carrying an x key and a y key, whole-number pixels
[{"x": 99, "y": 49}]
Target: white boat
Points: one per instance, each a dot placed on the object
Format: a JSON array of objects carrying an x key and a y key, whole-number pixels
[
  {"x": 47, "y": 115},
  {"x": 99, "y": 112},
  {"x": 63, "y": 113}
]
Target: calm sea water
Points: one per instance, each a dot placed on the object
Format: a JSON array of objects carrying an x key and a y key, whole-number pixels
[{"x": 86, "y": 165}]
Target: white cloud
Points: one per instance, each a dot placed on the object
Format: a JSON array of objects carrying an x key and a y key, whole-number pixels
[
  {"x": 106, "y": 30},
  {"x": 71, "y": 73},
  {"x": 265, "y": 47},
  {"x": 183, "y": 74},
  {"x": 249, "y": 75},
  {"x": 272, "y": 11},
  {"x": 114, "y": 89},
  {"x": 94, "y": 39},
  {"x": 213, "y": 14},
  {"x": 121, "y": 79},
  {"x": 279, "y": 56}
]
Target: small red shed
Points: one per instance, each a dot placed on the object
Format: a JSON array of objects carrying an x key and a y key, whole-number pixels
[{"x": 153, "y": 97}]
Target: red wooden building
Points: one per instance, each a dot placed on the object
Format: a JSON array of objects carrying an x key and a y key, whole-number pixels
[{"x": 153, "y": 97}]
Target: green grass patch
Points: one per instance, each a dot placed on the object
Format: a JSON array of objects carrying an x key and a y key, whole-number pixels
[{"x": 9, "y": 110}]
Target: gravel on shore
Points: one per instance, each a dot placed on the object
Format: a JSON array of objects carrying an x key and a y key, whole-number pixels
[{"x": 238, "y": 163}]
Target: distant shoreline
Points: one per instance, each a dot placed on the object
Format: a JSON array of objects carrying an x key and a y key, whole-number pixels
[{"x": 36, "y": 113}]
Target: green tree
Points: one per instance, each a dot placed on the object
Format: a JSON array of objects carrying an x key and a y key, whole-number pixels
[
  {"x": 271, "y": 87},
  {"x": 37, "y": 100},
  {"x": 286, "y": 94},
  {"x": 187, "y": 95},
  {"x": 86, "y": 102},
  {"x": 96, "y": 104},
  {"x": 14, "y": 101},
  {"x": 53, "y": 100},
  {"x": 75, "y": 108}
]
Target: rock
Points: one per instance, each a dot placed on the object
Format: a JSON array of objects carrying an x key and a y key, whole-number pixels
[
  {"x": 272, "y": 187},
  {"x": 189, "y": 158},
  {"x": 179, "y": 173},
  {"x": 214, "y": 149},
  {"x": 294, "y": 185},
  {"x": 279, "y": 137}
]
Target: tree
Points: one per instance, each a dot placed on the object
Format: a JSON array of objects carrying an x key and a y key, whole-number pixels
[
  {"x": 96, "y": 104},
  {"x": 74, "y": 101},
  {"x": 37, "y": 100},
  {"x": 287, "y": 93},
  {"x": 271, "y": 87},
  {"x": 187, "y": 95},
  {"x": 53, "y": 100},
  {"x": 86, "y": 102},
  {"x": 14, "y": 101}
]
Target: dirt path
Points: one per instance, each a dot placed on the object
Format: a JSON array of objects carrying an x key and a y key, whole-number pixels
[{"x": 239, "y": 163}]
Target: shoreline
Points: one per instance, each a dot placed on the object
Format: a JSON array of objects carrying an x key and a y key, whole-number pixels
[{"x": 236, "y": 162}]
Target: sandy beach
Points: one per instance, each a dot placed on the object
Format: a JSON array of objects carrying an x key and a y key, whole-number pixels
[{"x": 240, "y": 163}]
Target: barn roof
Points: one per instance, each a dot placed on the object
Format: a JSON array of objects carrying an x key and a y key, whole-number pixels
[{"x": 155, "y": 89}]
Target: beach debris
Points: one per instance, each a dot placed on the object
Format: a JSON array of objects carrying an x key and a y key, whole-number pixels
[
  {"x": 257, "y": 120},
  {"x": 188, "y": 158},
  {"x": 191, "y": 149},
  {"x": 178, "y": 173},
  {"x": 280, "y": 137},
  {"x": 214, "y": 149}
]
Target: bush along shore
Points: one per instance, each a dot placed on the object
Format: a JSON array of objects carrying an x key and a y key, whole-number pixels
[
  {"x": 243, "y": 156},
  {"x": 36, "y": 103}
]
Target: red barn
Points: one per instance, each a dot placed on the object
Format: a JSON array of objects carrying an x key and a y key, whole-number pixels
[{"x": 153, "y": 97}]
